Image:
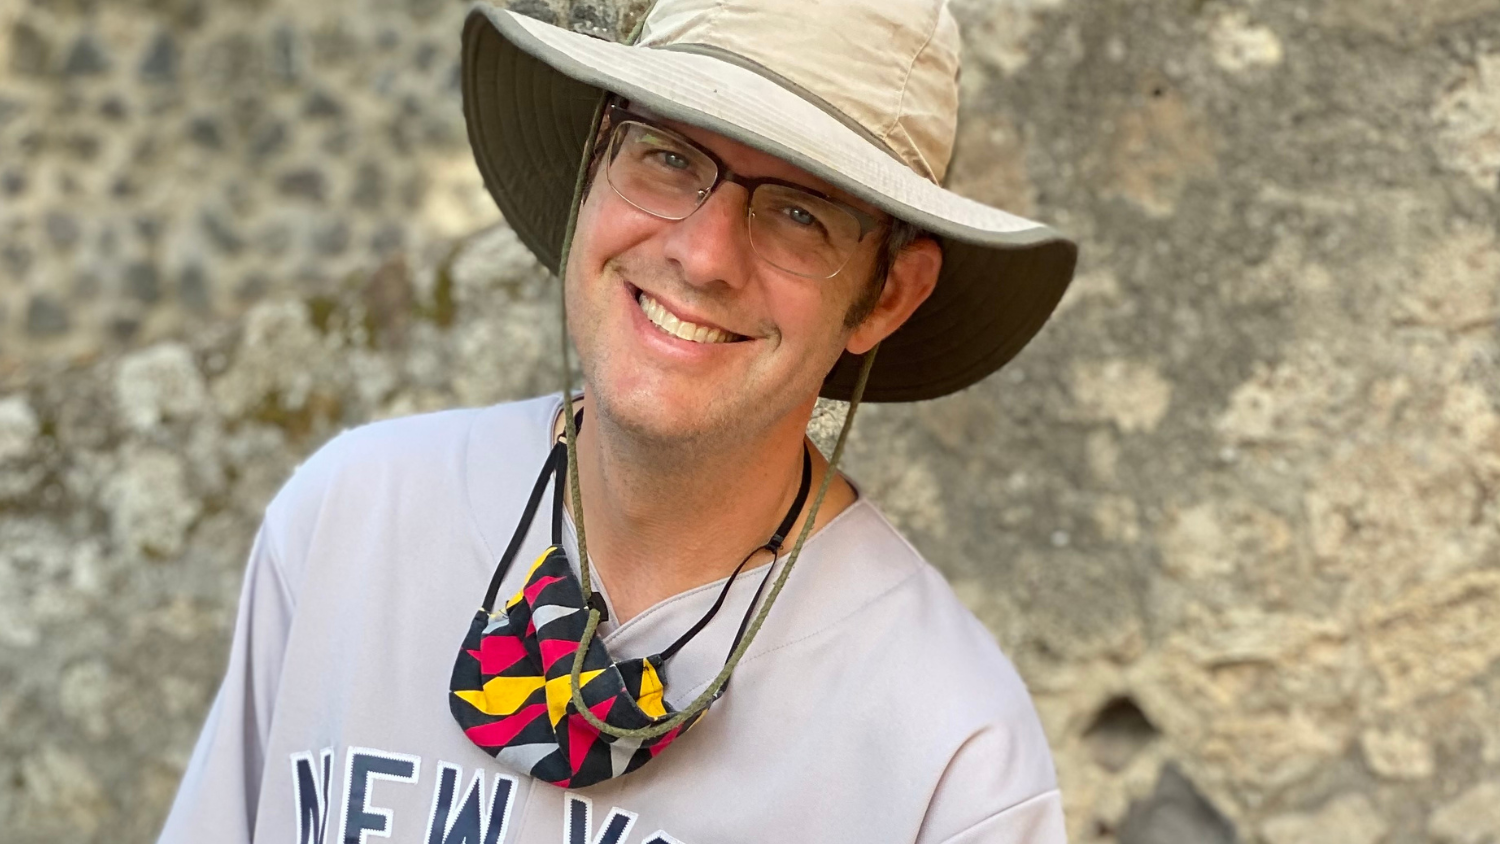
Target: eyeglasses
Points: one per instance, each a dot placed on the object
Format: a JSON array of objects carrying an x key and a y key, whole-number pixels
[{"x": 792, "y": 228}]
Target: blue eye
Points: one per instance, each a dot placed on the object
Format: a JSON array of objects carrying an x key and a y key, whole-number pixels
[{"x": 800, "y": 216}]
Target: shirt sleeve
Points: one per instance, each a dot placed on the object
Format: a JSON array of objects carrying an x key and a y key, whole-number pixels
[
  {"x": 217, "y": 798},
  {"x": 999, "y": 788}
]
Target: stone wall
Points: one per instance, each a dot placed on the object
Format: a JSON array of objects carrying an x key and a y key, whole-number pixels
[{"x": 1234, "y": 514}]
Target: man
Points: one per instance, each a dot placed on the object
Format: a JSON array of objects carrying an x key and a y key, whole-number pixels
[{"x": 741, "y": 236}]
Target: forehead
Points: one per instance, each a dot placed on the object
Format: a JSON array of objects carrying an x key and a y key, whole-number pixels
[{"x": 753, "y": 163}]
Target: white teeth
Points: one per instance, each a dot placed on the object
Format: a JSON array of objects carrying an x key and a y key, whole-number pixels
[{"x": 668, "y": 322}]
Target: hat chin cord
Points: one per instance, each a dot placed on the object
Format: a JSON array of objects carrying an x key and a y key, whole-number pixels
[{"x": 715, "y": 688}]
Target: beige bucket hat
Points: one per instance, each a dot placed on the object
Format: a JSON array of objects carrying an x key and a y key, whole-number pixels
[{"x": 861, "y": 93}]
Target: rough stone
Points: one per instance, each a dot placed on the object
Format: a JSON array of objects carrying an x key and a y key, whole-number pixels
[
  {"x": 286, "y": 54},
  {"x": 17, "y": 258},
  {"x": 487, "y": 261},
  {"x": 388, "y": 239},
  {"x": 990, "y": 166},
  {"x": 220, "y": 234},
  {"x": 204, "y": 131},
  {"x": 13, "y": 183},
  {"x": 252, "y": 288},
  {"x": 46, "y": 317},
  {"x": 1270, "y": 749},
  {"x": 1468, "y": 118},
  {"x": 1456, "y": 289},
  {"x": 1194, "y": 543},
  {"x": 1239, "y": 45},
  {"x": 18, "y": 428},
  {"x": 10, "y": 110},
  {"x": 143, "y": 282},
  {"x": 114, "y": 109},
  {"x": 62, "y": 229},
  {"x": 1471, "y": 818},
  {"x": 124, "y": 328},
  {"x": 1403, "y": 22},
  {"x": 1350, "y": 819},
  {"x": 30, "y": 50},
  {"x": 539, "y": 9},
  {"x": 331, "y": 238},
  {"x": 369, "y": 186},
  {"x": 84, "y": 696},
  {"x": 159, "y": 66},
  {"x": 1131, "y": 394},
  {"x": 1397, "y": 755},
  {"x": 275, "y": 362},
  {"x": 159, "y": 383},
  {"x": 86, "y": 58},
  {"x": 1175, "y": 812},
  {"x": 593, "y": 17},
  {"x": 1001, "y": 33},
  {"x": 193, "y": 289},
  {"x": 302, "y": 184},
  {"x": 1436, "y": 637},
  {"x": 267, "y": 141},
  {"x": 1159, "y": 147},
  {"x": 62, "y": 793},
  {"x": 149, "y": 504},
  {"x": 320, "y": 104},
  {"x": 1119, "y": 733}
]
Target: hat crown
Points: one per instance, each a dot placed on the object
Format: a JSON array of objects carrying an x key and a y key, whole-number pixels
[{"x": 888, "y": 68}]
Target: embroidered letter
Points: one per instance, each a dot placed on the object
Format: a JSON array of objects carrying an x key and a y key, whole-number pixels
[
  {"x": 361, "y": 767},
  {"x": 476, "y": 821},
  {"x": 579, "y": 821},
  {"x": 310, "y": 790}
]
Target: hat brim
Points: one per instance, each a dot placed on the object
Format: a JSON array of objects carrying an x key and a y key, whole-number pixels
[{"x": 530, "y": 90}]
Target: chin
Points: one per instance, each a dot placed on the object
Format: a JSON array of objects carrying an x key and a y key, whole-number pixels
[
  {"x": 654, "y": 416},
  {"x": 650, "y": 404}
]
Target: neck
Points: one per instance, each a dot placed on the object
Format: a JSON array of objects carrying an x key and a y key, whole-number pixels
[{"x": 665, "y": 519}]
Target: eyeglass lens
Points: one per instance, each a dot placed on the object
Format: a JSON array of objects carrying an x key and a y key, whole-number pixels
[{"x": 662, "y": 174}]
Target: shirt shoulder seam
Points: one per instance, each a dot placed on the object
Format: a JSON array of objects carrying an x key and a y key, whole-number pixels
[
  {"x": 273, "y": 561},
  {"x": 1020, "y": 804},
  {"x": 463, "y": 485}
]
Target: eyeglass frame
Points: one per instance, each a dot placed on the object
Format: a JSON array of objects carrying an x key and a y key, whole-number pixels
[{"x": 618, "y": 115}]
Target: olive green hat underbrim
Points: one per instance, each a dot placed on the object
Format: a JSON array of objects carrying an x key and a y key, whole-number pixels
[{"x": 529, "y": 103}]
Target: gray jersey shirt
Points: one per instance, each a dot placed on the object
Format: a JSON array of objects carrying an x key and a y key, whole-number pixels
[{"x": 872, "y": 706}]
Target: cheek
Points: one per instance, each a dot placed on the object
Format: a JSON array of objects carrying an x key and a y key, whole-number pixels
[
  {"x": 607, "y": 227},
  {"x": 591, "y": 236},
  {"x": 809, "y": 322},
  {"x": 831, "y": 298}
]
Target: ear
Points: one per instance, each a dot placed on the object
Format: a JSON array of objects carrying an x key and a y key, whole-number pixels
[{"x": 913, "y": 275}]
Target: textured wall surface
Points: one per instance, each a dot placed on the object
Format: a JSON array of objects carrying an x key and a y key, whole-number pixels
[{"x": 1234, "y": 513}]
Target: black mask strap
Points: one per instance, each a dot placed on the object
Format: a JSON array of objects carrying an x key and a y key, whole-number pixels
[
  {"x": 773, "y": 545},
  {"x": 596, "y": 598},
  {"x": 551, "y": 468}
]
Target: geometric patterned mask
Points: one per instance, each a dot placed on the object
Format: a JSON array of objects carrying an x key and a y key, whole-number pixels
[
  {"x": 512, "y": 696},
  {"x": 511, "y": 685}
]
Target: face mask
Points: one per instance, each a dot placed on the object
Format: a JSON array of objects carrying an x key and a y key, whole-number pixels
[{"x": 511, "y": 682}]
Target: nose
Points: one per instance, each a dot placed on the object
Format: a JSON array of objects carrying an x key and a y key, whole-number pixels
[{"x": 712, "y": 245}]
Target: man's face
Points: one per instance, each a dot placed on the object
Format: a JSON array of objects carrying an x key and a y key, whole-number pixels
[{"x": 767, "y": 337}]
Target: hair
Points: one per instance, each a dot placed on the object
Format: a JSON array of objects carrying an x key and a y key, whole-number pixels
[{"x": 898, "y": 235}]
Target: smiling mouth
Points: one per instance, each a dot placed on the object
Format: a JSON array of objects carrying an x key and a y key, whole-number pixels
[{"x": 668, "y": 323}]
